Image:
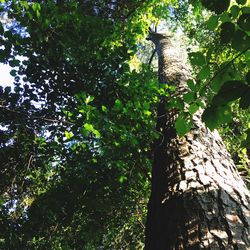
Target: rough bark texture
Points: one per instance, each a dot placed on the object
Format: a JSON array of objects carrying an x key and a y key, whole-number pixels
[{"x": 198, "y": 199}]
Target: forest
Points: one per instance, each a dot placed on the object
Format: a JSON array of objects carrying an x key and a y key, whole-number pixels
[{"x": 126, "y": 126}]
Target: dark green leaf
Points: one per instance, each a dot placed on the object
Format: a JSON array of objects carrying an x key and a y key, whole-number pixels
[
  {"x": 224, "y": 114},
  {"x": 245, "y": 100},
  {"x": 13, "y": 72},
  {"x": 230, "y": 91},
  {"x": 1, "y": 29},
  {"x": 246, "y": 143},
  {"x": 212, "y": 22},
  {"x": 245, "y": 10},
  {"x": 248, "y": 77},
  {"x": 189, "y": 97},
  {"x": 240, "y": 41},
  {"x": 176, "y": 103},
  {"x": 14, "y": 63},
  {"x": 241, "y": 1},
  {"x": 216, "y": 6},
  {"x": 197, "y": 58},
  {"x": 244, "y": 22},
  {"x": 191, "y": 85},
  {"x": 235, "y": 11},
  {"x": 210, "y": 118},
  {"x": 204, "y": 73},
  {"x": 215, "y": 116},
  {"x": 227, "y": 30},
  {"x": 7, "y": 90}
]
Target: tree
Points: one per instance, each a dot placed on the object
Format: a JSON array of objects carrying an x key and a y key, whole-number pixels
[
  {"x": 198, "y": 199},
  {"x": 78, "y": 126}
]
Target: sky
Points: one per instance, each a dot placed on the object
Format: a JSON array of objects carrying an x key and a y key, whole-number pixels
[{"x": 5, "y": 78}]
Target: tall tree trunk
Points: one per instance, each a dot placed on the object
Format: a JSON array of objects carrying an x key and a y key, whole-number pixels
[{"x": 198, "y": 200}]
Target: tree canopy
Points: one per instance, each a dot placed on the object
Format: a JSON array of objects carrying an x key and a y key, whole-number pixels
[{"x": 78, "y": 125}]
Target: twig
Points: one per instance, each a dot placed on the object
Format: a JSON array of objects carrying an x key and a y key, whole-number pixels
[
  {"x": 223, "y": 68},
  {"x": 35, "y": 117},
  {"x": 151, "y": 58}
]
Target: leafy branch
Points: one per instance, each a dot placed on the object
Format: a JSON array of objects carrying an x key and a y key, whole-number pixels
[{"x": 223, "y": 68}]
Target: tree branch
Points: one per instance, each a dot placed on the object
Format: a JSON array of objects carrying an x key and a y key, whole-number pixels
[
  {"x": 223, "y": 68},
  {"x": 36, "y": 117}
]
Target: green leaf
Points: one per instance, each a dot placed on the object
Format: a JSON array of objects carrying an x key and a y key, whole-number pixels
[
  {"x": 7, "y": 90},
  {"x": 193, "y": 108},
  {"x": 244, "y": 22},
  {"x": 248, "y": 77},
  {"x": 96, "y": 133},
  {"x": 212, "y": 22},
  {"x": 240, "y": 40},
  {"x": 122, "y": 178},
  {"x": 241, "y": 1},
  {"x": 197, "y": 58},
  {"x": 235, "y": 10},
  {"x": 227, "y": 31},
  {"x": 204, "y": 73},
  {"x": 13, "y": 72},
  {"x": 38, "y": 14},
  {"x": 189, "y": 97},
  {"x": 176, "y": 103},
  {"x": 209, "y": 117},
  {"x": 147, "y": 112},
  {"x": 104, "y": 108},
  {"x": 88, "y": 127},
  {"x": 246, "y": 143},
  {"x": 214, "y": 116},
  {"x": 225, "y": 17},
  {"x": 224, "y": 114},
  {"x": 216, "y": 84},
  {"x": 89, "y": 99},
  {"x": 218, "y": 6},
  {"x": 191, "y": 85},
  {"x": 68, "y": 135},
  {"x": 230, "y": 91},
  {"x": 245, "y": 10},
  {"x": 1, "y": 29},
  {"x": 118, "y": 104},
  {"x": 245, "y": 100},
  {"x": 25, "y": 4},
  {"x": 182, "y": 126},
  {"x": 14, "y": 63},
  {"x": 36, "y": 7}
]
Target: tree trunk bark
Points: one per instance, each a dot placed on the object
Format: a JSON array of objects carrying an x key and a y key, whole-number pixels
[{"x": 198, "y": 200}]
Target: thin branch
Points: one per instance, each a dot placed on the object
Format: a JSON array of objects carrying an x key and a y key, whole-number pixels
[
  {"x": 151, "y": 58},
  {"x": 36, "y": 117},
  {"x": 223, "y": 68}
]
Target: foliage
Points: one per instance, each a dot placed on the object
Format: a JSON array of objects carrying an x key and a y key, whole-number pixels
[{"x": 77, "y": 128}]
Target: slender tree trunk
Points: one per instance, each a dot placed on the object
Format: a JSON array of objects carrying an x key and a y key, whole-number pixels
[{"x": 198, "y": 200}]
